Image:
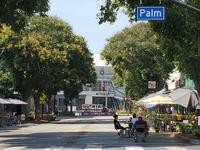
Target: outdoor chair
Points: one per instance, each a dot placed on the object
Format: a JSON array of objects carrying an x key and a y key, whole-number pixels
[
  {"x": 140, "y": 131},
  {"x": 123, "y": 133}
]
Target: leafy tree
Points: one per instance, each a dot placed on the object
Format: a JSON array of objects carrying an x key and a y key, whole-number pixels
[
  {"x": 6, "y": 81},
  {"x": 15, "y": 12},
  {"x": 27, "y": 55},
  {"x": 136, "y": 57},
  {"x": 60, "y": 39},
  {"x": 179, "y": 32},
  {"x": 81, "y": 72},
  {"x": 39, "y": 57},
  {"x": 43, "y": 100}
]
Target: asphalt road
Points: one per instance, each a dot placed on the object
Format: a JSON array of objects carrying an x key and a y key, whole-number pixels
[{"x": 89, "y": 133}]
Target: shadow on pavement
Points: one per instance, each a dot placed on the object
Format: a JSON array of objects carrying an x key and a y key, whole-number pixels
[
  {"x": 15, "y": 127},
  {"x": 83, "y": 140},
  {"x": 85, "y": 122}
]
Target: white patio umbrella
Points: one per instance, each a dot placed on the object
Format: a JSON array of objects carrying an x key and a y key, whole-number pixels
[
  {"x": 157, "y": 99},
  {"x": 161, "y": 99},
  {"x": 184, "y": 96},
  {"x": 16, "y": 101},
  {"x": 4, "y": 101}
]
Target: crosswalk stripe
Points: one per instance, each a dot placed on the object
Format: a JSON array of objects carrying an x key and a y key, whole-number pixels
[
  {"x": 92, "y": 148},
  {"x": 126, "y": 148},
  {"x": 134, "y": 148},
  {"x": 51, "y": 149},
  {"x": 176, "y": 148},
  {"x": 14, "y": 148}
]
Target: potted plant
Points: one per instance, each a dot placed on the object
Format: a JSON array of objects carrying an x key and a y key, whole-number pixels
[
  {"x": 153, "y": 121},
  {"x": 157, "y": 125}
]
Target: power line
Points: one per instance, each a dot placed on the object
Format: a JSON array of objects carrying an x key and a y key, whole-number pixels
[{"x": 185, "y": 5}]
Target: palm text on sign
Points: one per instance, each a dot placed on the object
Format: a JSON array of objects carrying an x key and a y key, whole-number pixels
[{"x": 150, "y": 13}]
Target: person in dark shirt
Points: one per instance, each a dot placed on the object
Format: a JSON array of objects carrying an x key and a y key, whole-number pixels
[
  {"x": 143, "y": 123},
  {"x": 117, "y": 125},
  {"x": 141, "y": 126}
]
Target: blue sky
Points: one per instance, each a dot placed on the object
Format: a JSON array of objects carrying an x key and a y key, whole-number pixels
[{"x": 81, "y": 15}]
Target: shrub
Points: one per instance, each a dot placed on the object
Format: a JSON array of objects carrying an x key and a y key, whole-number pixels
[
  {"x": 30, "y": 115},
  {"x": 153, "y": 120},
  {"x": 49, "y": 117},
  {"x": 185, "y": 128},
  {"x": 196, "y": 131}
]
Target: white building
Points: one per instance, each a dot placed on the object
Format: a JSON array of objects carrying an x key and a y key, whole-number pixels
[
  {"x": 103, "y": 91},
  {"x": 100, "y": 95}
]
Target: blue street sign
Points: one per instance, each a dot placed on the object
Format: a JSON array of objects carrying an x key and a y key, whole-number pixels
[{"x": 150, "y": 13}]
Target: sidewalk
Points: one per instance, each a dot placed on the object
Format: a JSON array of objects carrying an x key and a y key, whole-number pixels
[
  {"x": 15, "y": 127},
  {"x": 33, "y": 123},
  {"x": 184, "y": 138}
]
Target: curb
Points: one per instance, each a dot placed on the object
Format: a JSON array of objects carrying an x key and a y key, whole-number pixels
[
  {"x": 182, "y": 138},
  {"x": 195, "y": 141},
  {"x": 185, "y": 139}
]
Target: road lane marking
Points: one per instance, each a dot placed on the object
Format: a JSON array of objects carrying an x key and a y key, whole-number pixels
[
  {"x": 14, "y": 148},
  {"x": 93, "y": 147}
]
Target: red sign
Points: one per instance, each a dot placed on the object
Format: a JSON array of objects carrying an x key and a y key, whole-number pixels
[{"x": 152, "y": 84}]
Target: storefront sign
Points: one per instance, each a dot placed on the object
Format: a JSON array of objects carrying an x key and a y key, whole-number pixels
[{"x": 92, "y": 107}]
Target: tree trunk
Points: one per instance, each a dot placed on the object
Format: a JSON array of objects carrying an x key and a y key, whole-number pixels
[
  {"x": 70, "y": 105},
  {"x": 50, "y": 110},
  {"x": 66, "y": 103},
  {"x": 24, "y": 109},
  {"x": 37, "y": 106},
  {"x": 42, "y": 110},
  {"x": 54, "y": 109}
]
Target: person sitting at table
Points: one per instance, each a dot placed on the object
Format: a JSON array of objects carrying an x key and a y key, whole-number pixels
[
  {"x": 141, "y": 122},
  {"x": 134, "y": 119},
  {"x": 117, "y": 125}
]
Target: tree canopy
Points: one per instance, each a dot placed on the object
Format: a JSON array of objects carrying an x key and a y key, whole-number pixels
[
  {"x": 6, "y": 81},
  {"x": 136, "y": 57},
  {"x": 179, "y": 32},
  {"x": 14, "y": 12},
  {"x": 45, "y": 56}
]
